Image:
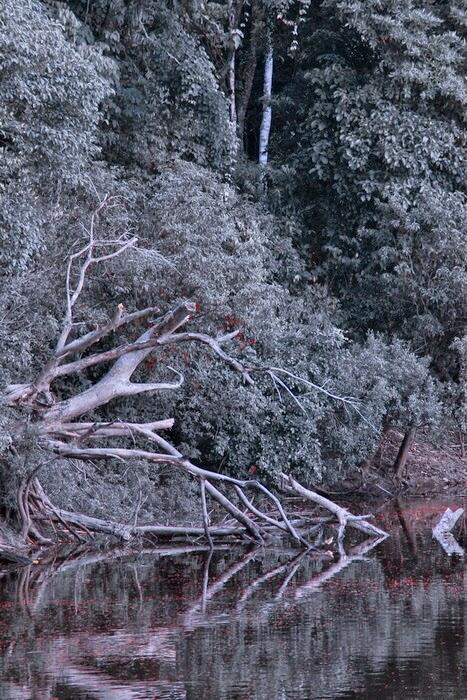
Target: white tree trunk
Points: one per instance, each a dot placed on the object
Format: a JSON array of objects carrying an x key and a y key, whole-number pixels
[
  {"x": 233, "y": 38},
  {"x": 267, "y": 110}
]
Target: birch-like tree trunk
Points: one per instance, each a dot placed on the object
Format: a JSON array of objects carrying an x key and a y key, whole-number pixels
[
  {"x": 265, "y": 127},
  {"x": 234, "y": 39}
]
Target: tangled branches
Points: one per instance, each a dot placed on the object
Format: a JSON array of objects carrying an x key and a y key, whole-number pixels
[{"x": 62, "y": 433}]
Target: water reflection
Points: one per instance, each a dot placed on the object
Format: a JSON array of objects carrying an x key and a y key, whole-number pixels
[{"x": 384, "y": 622}]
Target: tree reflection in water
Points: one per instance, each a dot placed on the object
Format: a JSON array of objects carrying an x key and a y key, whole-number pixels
[{"x": 384, "y": 619}]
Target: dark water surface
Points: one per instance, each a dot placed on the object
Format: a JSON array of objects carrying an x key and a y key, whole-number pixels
[{"x": 242, "y": 625}]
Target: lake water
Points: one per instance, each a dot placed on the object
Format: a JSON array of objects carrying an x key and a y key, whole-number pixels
[{"x": 263, "y": 624}]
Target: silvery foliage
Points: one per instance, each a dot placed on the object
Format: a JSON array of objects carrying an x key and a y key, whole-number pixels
[
  {"x": 167, "y": 102},
  {"x": 51, "y": 92}
]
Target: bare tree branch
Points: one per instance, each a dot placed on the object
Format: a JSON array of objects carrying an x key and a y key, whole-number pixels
[
  {"x": 342, "y": 514},
  {"x": 100, "y": 430},
  {"x": 215, "y": 345},
  {"x": 72, "y": 295},
  {"x": 84, "y": 342}
]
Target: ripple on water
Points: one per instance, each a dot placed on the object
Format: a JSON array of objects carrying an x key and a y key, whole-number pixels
[{"x": 264, "y": 625}]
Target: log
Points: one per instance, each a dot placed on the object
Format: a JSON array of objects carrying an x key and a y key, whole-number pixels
[
  {"x": 126, "y": 532},
  {"x": 442, "y": 532}
]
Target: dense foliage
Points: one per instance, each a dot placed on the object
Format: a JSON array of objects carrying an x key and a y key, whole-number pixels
[
  {"x": 378, "y": 132},
  {"x": 344, "y": 260}
]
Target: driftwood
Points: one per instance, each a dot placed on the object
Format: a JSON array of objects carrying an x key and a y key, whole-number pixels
[
  {"x": 442, "y": 532},
  {"x": 62, "y": 434}
]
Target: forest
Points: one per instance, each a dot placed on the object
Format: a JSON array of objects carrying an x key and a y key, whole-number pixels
[{"x": 256, "y": 211}]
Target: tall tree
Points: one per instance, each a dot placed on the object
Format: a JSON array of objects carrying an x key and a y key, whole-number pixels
[{"x": 265, "y": 127}]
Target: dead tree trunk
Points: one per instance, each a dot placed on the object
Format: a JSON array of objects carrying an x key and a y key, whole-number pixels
[
  {"x": 63, "y": 433},
  {"x": 403, "y": 453}
]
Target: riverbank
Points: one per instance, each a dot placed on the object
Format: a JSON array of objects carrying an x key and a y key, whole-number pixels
[{"x": 431, "y": 469}]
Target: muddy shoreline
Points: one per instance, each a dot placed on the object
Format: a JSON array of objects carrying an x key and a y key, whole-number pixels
[{"x": 432, "y": 470}]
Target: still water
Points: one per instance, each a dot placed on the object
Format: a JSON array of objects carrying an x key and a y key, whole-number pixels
[{"x": 242, "y": 625}]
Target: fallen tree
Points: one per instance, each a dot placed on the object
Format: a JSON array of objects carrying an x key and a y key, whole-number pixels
[{"x": 62, "y": 433}]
